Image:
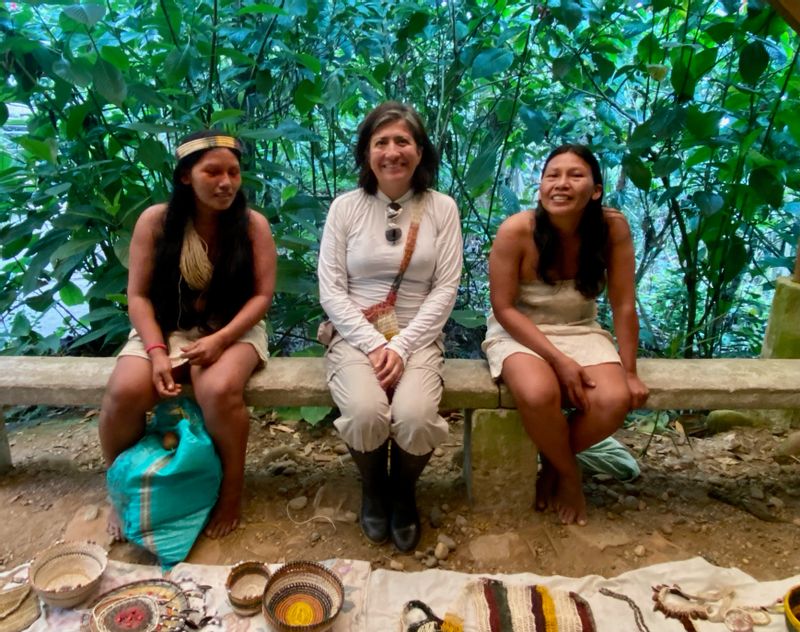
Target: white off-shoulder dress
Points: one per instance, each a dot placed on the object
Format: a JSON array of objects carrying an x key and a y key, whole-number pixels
[{"x": 564, "y": 315}]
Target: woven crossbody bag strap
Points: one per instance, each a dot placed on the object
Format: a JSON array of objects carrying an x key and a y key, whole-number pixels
[{"x": 411, "y": 242}]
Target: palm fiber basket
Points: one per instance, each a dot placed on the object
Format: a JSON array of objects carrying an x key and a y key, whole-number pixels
[
  {"x": 19, "y": 608},
  {"x": 68, "y": 572},
  {"x": 791, "y": 606},
  {"x": 245, "y": 587},
  {"x": 302, "y": 597}
]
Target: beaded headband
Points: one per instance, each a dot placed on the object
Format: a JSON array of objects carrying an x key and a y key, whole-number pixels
[{"x": 209, "y": 142}]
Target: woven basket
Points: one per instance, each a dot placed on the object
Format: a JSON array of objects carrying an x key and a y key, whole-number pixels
[
  {"x": 129, "y": 614},
  {"x": 66, "y": 574},
  {"x": 19, "y": 608},
  {"x": 169, "y": 595},
  {"x": 791, "y": 608},
  {"x": 245, "y": 587},
  {"x": 302, "y": 597}
]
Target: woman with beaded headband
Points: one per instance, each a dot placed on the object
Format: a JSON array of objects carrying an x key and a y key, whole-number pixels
[
  {"x": 201, "y": 279},
  {"x": 389, "y": 268},
  {"x": 546, "y": 268}
]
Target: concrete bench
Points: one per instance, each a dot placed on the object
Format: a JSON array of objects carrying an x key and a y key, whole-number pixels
[{"x": 674, "y": 384}]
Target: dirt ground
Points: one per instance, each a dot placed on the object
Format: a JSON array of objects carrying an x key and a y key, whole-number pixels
[{"x": 726, "y": 497}]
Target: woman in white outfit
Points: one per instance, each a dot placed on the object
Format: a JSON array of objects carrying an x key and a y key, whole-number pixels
[
  {"x": 546, "y": 269},
  {"x": 389, "y": 268}
]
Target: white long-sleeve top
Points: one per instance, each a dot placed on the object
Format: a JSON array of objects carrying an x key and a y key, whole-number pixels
[{"x": 357, "y": 265}]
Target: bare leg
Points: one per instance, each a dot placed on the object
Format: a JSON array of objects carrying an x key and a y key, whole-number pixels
[
  {"x": 609, "y": 402},
  {"x": 537, "y": 394},
  {"x": 219, "y": 389},
  {"x": 128, "y": 397},
  {"x": 546, "y": 483}
]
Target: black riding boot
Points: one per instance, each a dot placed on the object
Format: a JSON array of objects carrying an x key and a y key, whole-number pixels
[
  {"x": 374, "y": 488},
  {"x": 404, "y": 471}
]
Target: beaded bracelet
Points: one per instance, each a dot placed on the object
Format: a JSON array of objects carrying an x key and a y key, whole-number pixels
[{"x": 155, "y": 345}]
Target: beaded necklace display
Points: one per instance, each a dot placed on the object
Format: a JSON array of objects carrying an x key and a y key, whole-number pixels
[
  {"x": 712, "y": 605},
  {"x": 637, "y": 613}
]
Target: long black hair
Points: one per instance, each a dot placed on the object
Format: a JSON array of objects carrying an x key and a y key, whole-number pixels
[
  {"x": 232, "y": 282},
  {"x": 389, "y": 112},
  {"x": 592, "y": 232}
]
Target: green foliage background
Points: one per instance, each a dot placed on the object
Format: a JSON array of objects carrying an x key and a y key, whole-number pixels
[{"x": 690, "y": 104}]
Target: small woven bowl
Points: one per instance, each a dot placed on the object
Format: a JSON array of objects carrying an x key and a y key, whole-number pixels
[
  {"x": 302, "y": 597},
  {"x": 245, "y": 587},
  {"x": 791, "y": 608},
  {"x": 66, "y": 574}
]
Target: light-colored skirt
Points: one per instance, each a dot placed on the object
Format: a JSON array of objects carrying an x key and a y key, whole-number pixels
[
  {"x": 587, "y": 345},
  {"x": 256, "y": 336}
]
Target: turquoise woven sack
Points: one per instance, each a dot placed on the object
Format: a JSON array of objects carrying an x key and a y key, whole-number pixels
[{"x": 163, "y": 497}]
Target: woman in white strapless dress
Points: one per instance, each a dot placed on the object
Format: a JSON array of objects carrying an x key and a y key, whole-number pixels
[{"x": 546, "y": 269}]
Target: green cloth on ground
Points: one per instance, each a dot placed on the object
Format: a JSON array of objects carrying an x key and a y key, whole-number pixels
[{"x": 609, "y": 457}]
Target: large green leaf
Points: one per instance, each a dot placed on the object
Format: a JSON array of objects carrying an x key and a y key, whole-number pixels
[
  {"x": 709, "y": 202},
  {"x": 116, "y": 56},
  {"x": 109, "y": 82},
  {"x": 314, "y": 414},
  {"x": 768, "y": 185},
  {"x": 221, "y": 117},
  {"x": 536, "y": 124},
  {"x": 150, "y": 128},
  {"x": 721, "y": 32},
  {"x": 307, "y": 94},
  {"x": 562, "y": 66},
  {"x": 689, "y": 66},
  {"x": 42, "y": 149},
  {"x": 78, "y": 73},
  {"x": 87, "y": 14},
  {"x": 491, "y": 62},
  {"x": 702, "y": 124},
  {"x": 569, "y": 12},
  {"x": 288, "y": 129},
  {"x": 469, "y": 318},
  {"x": 736, "y": 259},
  {"x": 638, "y": 172},
  {"x": 310, "y": 62},
  {"x": 482, "y": 168},
  {"x": 261, "y": 8},
  {"x": 666, "y": 165},
  {"x": 70, "y": 294},
  {"x": 753, "y": 61},
  {"x": 75, "y": 120},
  {"x": 649, "y": 50},
  {"x": 40, "y": 302},
  {"x": 177, "y": 64},
  {"x": 73, "y": 247},
  {"x": 152, "y": 153},
  {"x": 20, "y": 326}
]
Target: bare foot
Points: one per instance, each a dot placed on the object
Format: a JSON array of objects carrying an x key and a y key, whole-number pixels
[
  {"x": 546, "y": 483},
  {"x": 570, "y": 503},
  {"x": 224, "y": 517},
  {"x": 114, "y": 526}
]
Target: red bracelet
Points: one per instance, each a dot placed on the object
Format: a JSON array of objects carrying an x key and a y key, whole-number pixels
[{"x": 155, "y": 345}]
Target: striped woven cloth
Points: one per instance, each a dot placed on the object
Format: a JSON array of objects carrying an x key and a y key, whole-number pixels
[{"x": 516, "y": 608}]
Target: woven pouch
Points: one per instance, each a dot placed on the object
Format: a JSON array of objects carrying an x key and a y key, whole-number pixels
[{"x": 384, "y": 319}]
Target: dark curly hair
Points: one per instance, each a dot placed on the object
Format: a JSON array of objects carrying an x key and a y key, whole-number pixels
[
  {"x": 232, "y": 282},
  {"x": 592, "y": 232},
  {"x": 388, "y": 112}
]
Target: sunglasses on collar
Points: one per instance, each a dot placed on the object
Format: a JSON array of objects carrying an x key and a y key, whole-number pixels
[{"x": 393, "y": 231}]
